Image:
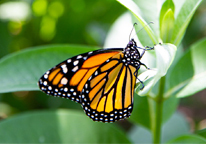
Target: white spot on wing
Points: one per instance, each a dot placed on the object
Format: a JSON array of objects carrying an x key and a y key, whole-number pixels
[
  {"x": 64, "y": 81},
  {"x": 79, "y": 56},
  {"x": 49, "y": 88},
  {"x": 75, "y": 69},
  {"x": 65, "y": 89},
  {"x": 46, "y": 76},
  {"x": 76, "y": 62},
  {"x": 90, "y": 78},
  {"x": 86, "y": 86},
  {"x": 96, "y": 73},
  {"x": 69, "y": 60},
  {"x": 64, "y": 68},
  {"x": 45, "y": 83},
  {"x": 90, "y": 52}
]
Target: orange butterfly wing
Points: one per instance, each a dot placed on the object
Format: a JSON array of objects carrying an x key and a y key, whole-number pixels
[
  {"x": 102, "y": 81},
  {"x": 108, "y": 94},
  {"x": 68, "y": 78}
]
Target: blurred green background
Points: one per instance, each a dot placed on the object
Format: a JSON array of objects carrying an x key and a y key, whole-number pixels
[{"x": 29, "y": 23}]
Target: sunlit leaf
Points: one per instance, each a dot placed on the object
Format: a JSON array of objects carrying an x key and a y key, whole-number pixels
[
  {"x": 167, "y": 5},
  {"x": 189, "y": 74},
  {"x": 183, "y": 18},
  {"x": 167, "y": 26},
  {"x": 130, "y": 5}
]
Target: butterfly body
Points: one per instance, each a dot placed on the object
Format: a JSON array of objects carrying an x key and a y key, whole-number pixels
[{"x": 102, "y": 81}]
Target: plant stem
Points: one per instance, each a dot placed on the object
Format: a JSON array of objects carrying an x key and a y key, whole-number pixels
[{"x": 156, "y": 109}]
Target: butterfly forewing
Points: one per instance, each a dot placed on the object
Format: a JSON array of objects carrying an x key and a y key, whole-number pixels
[{"x": 69, "y": 77}]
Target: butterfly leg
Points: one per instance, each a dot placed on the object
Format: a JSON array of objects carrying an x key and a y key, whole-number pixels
[
  {"x": 141, "y": 83},
  {"x": 135, "y": 74},
  {"x": 149, "y": 48},
  {"x": 144, "y": 66},
  {"x": 146, "y": 48}
]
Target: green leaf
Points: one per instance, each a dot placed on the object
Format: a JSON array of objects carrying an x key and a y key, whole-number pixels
[
  {"x": 150, "y": 11},
  {"x": 167, "y": 5},
  {"x": 167, "y": 20},
  {"x": 20, "y": 71},
  {"x": 60, "y": 126},
  {"x": 195, "y": 139},
  {"x": 167, "y": 26},
  {"x": 183, "y": 18},
  {"x": 189, "y": 74},
  {"x": 130, "y": 5}
]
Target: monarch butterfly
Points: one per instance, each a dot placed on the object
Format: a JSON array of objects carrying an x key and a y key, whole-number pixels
[{"x": 102, "y": 81}]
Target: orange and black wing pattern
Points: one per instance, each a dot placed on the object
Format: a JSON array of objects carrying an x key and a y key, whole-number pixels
[
  {"x": 108, "y": 94},
  {"x": 102, "y": 81},
  {"x": 68, "y": 78}
]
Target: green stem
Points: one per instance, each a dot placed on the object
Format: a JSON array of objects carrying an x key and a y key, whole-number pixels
[{"x": 156, "y": 109}]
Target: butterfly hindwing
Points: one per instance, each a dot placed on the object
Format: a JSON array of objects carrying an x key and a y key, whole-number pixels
[
  {"x": 108, "y": 94},
  {"x": 68, "y": 78}
]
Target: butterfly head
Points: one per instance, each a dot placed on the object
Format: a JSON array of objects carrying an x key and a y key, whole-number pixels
[{"x": 131, "y": 43}]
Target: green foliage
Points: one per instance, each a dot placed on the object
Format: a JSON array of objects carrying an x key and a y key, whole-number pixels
[
  {"x": 60, "y": 126},
  {"x": 188, "y": 139},
  {"x": 167, "y": 20},
  {"x": 188, "y": 75},
  {"x": 174, "y": 73},
  {"x": 41, "y": 58}
]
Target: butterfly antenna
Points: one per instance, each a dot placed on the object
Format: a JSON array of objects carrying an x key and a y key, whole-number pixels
[
  {"x": 145, "y": 26},
  {"x": 132, "y": 30}
]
